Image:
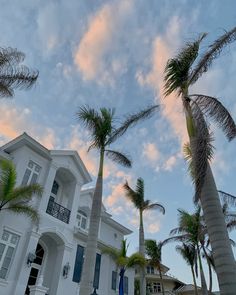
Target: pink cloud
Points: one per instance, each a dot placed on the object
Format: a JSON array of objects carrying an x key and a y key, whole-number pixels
[
  {"x": 99, "y": 40},
  {"x": 163, "y": 48},
  {"x": 14, "y": 121}
]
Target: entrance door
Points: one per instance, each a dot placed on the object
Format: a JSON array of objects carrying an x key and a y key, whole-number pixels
[{"x": 35, "y": 268}]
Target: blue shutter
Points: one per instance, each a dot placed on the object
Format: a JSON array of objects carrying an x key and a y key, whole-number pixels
[
  {"x": 113, "y": 280},
  {"x": 97, "y": 271},
  {"x": 126, "y": 285},
  {"x": 78, "y": 264}
]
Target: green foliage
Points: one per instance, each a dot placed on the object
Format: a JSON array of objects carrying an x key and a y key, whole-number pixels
[
  {"x": 137, "y": 197},
  {"x": 16, "y": 199},
  {"x": 121, "y": 259},
  {"x": 153, "y": 251}
]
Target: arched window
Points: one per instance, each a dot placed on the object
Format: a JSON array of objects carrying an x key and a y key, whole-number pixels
[{"x": 82, "y": 220}]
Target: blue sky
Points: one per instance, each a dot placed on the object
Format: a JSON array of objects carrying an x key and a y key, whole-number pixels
[{"x": 112, "y": 53}]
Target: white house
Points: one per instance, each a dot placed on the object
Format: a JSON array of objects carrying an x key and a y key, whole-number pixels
[
  {"x": 172, "y": 286},
  {"x": 47, "y": 259}
]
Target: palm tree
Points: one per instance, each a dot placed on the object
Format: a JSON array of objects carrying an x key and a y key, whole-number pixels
[
  {"x": 13, "y": 75},
  {"x": 123, "y": 261},
  {"x": 137, "y": 198},
  {"x": 181, "y": 72},
  {"x": 153, "y": 250},
  {"x": 191, "y": 230},
  {"x": 188, "y": 252},
  {"x": 103, "y": 134},
  {"x": 16, "y": 199}
]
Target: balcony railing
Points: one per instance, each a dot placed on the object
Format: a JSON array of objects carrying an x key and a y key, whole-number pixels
[{"x": 58, "y": 211}]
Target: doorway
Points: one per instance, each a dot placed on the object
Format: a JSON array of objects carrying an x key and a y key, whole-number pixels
[{"x": 35, "y": 268}]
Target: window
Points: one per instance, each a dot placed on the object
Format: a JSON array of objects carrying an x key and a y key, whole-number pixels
[
  {"x": 31, "y": 173},
  {"x": 113, "y": 280},
  {"x": 55, "y": 187},
  {"x": 8, "y": 244},
  {"x": 82, "y": 220},
  {"x": 156, "y": 287},
  {"x": 150, "y": 269},
  {"x": 79, "y": 265},
  {"x": 126, "y": 285}
]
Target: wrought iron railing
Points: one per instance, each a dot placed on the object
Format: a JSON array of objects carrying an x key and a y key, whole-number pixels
[{"x": 58, "y": 211}]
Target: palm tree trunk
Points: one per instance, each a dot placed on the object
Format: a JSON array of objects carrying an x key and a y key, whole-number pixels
[
  {"x": 86, "y": 283},
  {"x": 142, "y": 252},
  {"x": 203, "y": 280},
  {"x": 221, "y": 248},
  {"x": 194, "y": 281},
  {"x": 162, "y": 284}
]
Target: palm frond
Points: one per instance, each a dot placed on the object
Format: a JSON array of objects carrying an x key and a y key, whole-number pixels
[
  {"x": 136, "y": 259},
  {"x": 155, "y": 206},
  {"x": 213, "y": 108},
  {"x": 133, "y": 196},
  {"x": 10, "y": 56},
  {"x": 188, "y": 158},
  {"x": 202, "y": 149},
  {"x": 114, "y": 253},
  {"x": 212, "y": 53},
  {"x": 140, "y": 187},
  {"x": 23, "y": 208},
  {"x": 130, "y": 121},
  {"x": 7, "y": 178},
  {"x": 228, "y": 198},
  {"x": 119, "y": 158},
  {"x": 154, "y": 251},
  {"x": 188, "y": 252},
  {"x": 24, "y": 193},
  {"x": 89, "y": 117},
  {"x": 20, "y": 77},
  {"x": 178, "y": 68}
]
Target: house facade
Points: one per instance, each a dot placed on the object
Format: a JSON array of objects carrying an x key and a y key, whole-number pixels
[
  {"x": 172, "y": 286},
  {"x": 47, "y": 258}
]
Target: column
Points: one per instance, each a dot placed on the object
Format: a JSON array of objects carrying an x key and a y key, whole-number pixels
[
  {"x": 48, "y": 187},
  {"x": 75, "y": 204},
  {"x": 24, "y": 269}
]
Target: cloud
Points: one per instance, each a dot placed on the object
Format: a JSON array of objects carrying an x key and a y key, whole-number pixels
[
  {"x": 164, "y": 46},
  {"x": 170, "y": 163},
  {"x": 151, "y": 152},
  {"x": 98, "y": 41},
  {"x": 15, "y": 120}
]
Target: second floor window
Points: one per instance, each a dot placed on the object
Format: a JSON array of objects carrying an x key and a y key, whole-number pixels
[
  {"x": 31, "y": 173},
  {"x": 8, "y": 244},
  {"x": 82, "y": 220}
]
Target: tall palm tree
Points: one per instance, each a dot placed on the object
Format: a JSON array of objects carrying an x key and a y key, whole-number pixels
[
  {"x": 16, "y": 199},
  {"x": 188, "y": 252},
  {"x": 182, "y": 72},
  {"x": 13, "y": 75},
  {"x": 191, "y": 230},
  {"x": 123, "y": 261},
  {"x": 153, "y": 250},
  {"x": 137, "y": 198},
  {"x": 104, "y": 132}
]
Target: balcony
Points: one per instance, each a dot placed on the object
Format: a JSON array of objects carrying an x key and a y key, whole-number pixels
[{"x": 58, "y": 211}]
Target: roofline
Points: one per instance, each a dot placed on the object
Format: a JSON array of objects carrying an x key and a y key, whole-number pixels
[
  {"x": 74, "y": 154},
  {"x": 31, "y": 143},
  {"x": 117, "y": 225}
]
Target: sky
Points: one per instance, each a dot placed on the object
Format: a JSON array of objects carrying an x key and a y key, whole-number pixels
[{"x": 112, "y": 54}]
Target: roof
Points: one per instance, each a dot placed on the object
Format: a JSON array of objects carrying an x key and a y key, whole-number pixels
[
  {"x": 25, "y": 140},
  {"x": 78, "y": 161}
]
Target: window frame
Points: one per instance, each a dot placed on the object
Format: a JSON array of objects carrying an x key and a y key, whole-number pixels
[
  {"x": 28, "y": 180},
  {"x": 83, "y": 217},
  {"x": 7, "y": 245}
]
